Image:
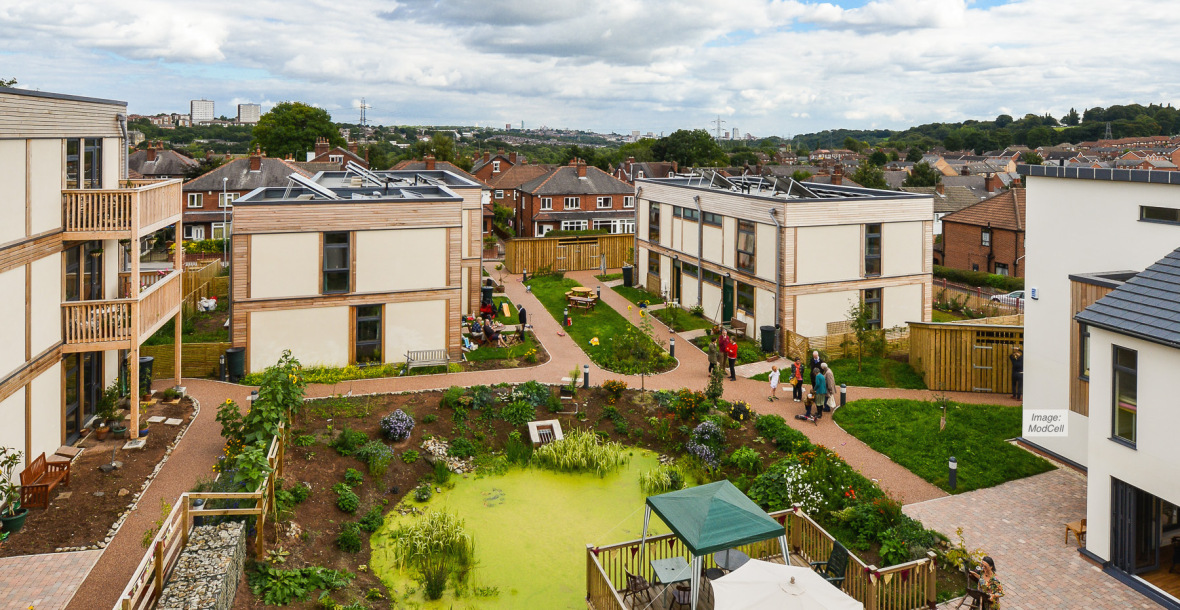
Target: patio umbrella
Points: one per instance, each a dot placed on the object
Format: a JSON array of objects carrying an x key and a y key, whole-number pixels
[{"x": 762, "y": 584}]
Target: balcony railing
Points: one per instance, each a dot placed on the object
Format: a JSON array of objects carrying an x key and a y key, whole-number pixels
[
  {"x": 115, "y": 323},
  {"x": 109, "y": 213}
]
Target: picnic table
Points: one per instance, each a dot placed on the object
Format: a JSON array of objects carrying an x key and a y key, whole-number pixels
[
  {"x": 670, "y": 571},
  {"x": 730, "y": 559},
  {"x": 583, "y": 302}
]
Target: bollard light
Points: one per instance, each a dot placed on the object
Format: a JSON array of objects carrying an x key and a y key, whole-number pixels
[
  {"x": 565, "y": 312},
  {"x": 524, "y": 277},
  {"x": 585, "y": 375},
  {"x": 672, "y": 346},
  {"x": 843, "y": 394},
  {"x": 598, "y": 292},
  {"x": 954, "y": 471},
  {"x": 221, "y": 367}
]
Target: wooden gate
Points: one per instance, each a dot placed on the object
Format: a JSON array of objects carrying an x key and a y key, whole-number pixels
[
  {"x": 961, "y": 357},
  {"x": 577, "y": 256},
  {"x": 574, "y": 253}
]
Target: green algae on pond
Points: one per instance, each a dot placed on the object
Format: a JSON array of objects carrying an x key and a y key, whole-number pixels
[{"x": 531, "y": 528}]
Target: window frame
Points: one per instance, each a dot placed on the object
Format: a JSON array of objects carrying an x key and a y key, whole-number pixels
[
  {"x": 335, "y": 158},
  {"x": 751, "y": 297},
  {"x": 653, "y": 263},
  {"x": 357, "y": 342},
  {"x": 628, "y": 201},
  {"x": 546, "y": 203},
  {"x": 1115, "y": 369},
  {"x": 499, "y": 194},
  {"x": 878, "y": 300},
  {"x": 689, "y": 269},
  {"x": 226, "y": 200},
  {"x": 997, "y": 271},
  {"x": 569, "y": 225},
  {"x": 653, "y": 222},
  {"x": 496, "y": 166},
  {"x": 868, "y": 256},
  {"x": 346, "y": 270},
  {"x": 985, "y": 237},
  {"x": 218, "y": 226},
  {"x": 609, "y": 202},
  {"x": 713, "y": 219},
  {"x": 1083, "y": 351},
  {"x": 199, "y": 198},
  {"x": 1143, "y": 210},
  {"x": 577, "y": 201},
  {"x": 87, "y": 163},
  {"x": 750, "y": 228},
  {"x": 708, "y": 276}
]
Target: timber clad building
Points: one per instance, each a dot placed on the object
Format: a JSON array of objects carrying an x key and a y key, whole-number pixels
[
  {"x": 355, "y": 267},
  {"x": 765, "y": 251},
  {"x": 73, "y": 303}
]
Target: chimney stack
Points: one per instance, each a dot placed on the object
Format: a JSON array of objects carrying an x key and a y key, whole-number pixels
[
  {"x": 487, "y": 156},
  {"x": 580, "y": 165},
  {"x": 256, "y": 160},
  {"x": 151, "y": 152},
  {"x": 940, "y": 188},
  {"x": 429, "y": 162},
  {"x": 992, "y": 183},
  {"x": 838, "y": 174},
  {"x": 512, "y": 157},
  {"x": 352, "y": 147},
  {"x": 321, "y": 146}
]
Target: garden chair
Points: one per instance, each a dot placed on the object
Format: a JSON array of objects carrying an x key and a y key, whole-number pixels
[
  {"x": 1079, "y": 531},
  {"x": 681, "y": 597},
  {"x": 637, "y": 586},
  {"x": 834, "y": 568}
]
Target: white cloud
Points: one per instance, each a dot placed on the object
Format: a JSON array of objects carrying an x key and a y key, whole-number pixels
[{"x": 769, "y": 66}]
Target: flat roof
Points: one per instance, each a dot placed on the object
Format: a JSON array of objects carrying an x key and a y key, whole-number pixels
[
  {"x": 1153, "y": 176},
  {"x": 777, "y": 189},
  {"x": 296, "y": 194},
  {"x": 394, "y": 178},
  {"x": 61, "y": 96}
]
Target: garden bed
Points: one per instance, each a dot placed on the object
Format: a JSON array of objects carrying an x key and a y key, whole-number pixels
[
  {"x": 907, "y": 431},
  {"x": 680, "y": 320},
  {"x": 637, "y": 295},
  {"x": 85, "y": 519},
  {"x": 749, "y": 350}
]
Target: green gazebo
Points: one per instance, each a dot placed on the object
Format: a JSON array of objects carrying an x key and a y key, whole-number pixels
[{"x": 710, "y": 518}]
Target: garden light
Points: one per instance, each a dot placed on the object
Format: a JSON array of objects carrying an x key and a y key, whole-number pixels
[
  {"x": 585, "y": 375},
  {"x": 843, "y": 394},
  {"x": 954, "y": 471},
  {"x": 672, "y": 346}
]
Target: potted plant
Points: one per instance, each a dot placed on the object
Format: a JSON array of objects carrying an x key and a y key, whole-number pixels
[
  {"x": 171, "y": 395},
  {"x": 12, "y": 516},
  {"x": 107, "y": 410},
  {"x": 143, "y": 423}
]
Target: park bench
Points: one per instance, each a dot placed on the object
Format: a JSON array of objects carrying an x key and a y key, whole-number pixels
[
  {"x": 738, "y": 326},
  {"x": 39, "y": 479},
  {"x": 425, "y": 358}
]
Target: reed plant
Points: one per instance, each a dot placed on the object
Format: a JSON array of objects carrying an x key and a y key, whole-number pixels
[{"x": 581, "y": 451}]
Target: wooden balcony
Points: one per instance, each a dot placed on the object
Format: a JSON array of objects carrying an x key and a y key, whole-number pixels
[
  {"x": 121, "y": 323},
  {"x": 142, "y": 208}
]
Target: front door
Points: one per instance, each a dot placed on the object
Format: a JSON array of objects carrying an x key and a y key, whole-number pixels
[
  {"x": 1134, "y": 529},
  {"x": 727, "y": 291},
  {"x": 72, "y": 369},
  {"x": 676, "y": 279}
]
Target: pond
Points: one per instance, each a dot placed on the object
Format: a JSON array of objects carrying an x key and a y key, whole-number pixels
[{"x": 531, "y": 528}]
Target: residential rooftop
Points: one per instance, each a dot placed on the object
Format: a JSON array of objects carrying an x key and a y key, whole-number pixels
[
  {"x": 1105, "y": 174},
  {"x": 770, "y": 187},
  {"x": 1144, "y": 306}
]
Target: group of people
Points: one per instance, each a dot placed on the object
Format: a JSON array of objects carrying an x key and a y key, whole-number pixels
[
  {"x": 822, "y": 396},
  {"x": 725, "y": 347}
]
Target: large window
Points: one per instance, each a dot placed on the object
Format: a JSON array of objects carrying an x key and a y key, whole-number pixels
[
  {"x": 336, "y": 262},
  {"x": 573, "y": 203},
  {"x": 745, "y": 298},
  {"x": 985, "y": 237},
  {"x": 196, "y": 200},
  {"x": 84, "y": 163},
  {"x": 653, "y": 263},
  {"x": 604, "y": 203},
  {"x": 573, "y": 225},
  {"x": 1084, "y": 351},
  {"x": 616, "y": 226},
  {"x": 218, "y": 230},
  {"x": 1001, "y": 268},
  {"x": 367, "y": 348},
  {"x": 872, "y": 305},
  {"x": 1126, "y": 366},
  {"x": 1154, "y": 214},
  {"x": 745, "y": 246},
  {"x": 653, "y": 223},
  {"x": 872, "y": 250},
  {"x": 226, "y": 200},
  {"x": 546, "y": 203},
  {"x": 628, "y": 202}
]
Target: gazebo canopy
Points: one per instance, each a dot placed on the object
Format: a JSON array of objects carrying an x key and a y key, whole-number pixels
[{"x": 714, "y": 517}]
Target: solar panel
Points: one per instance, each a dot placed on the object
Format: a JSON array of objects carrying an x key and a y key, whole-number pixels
[
  {"x": 311, "y": 185},
  {"x": 356, "y": 168}
]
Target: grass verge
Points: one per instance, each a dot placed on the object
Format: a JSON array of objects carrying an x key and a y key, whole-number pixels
[
  {"x": 638, "y": 295},
  {"x": 679, "y": 320}
]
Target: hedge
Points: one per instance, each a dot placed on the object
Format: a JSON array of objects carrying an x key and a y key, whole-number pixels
[
  {"x": 583, "y": 233},
  {"x": 980, "y": 278}
]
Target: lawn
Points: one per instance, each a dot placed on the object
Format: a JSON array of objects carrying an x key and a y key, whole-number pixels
[
  {"x": 501, "y": 353},
  {"x": 638, "y": 295},
  {"x": 748, "y": 349},
  {"x": 876, "y": 373},
  {"x": 201, "y": 327},
  {"x": 907, "y": 431},
  {"x": 602, "y": 323},
  {"x": 939, "y": 315},
  {"x": 679, "y": 320},
  {"x": 610, "y": 277},
  {"x": 512, "y": 319}
]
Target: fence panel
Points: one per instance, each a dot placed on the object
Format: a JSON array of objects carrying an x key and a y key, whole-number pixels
[
  {"x": 965, "y": 357},
  {"x": 574, "y": 253}
]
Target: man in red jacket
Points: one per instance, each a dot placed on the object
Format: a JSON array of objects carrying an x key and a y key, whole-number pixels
[{"x": 731, "y": 349}]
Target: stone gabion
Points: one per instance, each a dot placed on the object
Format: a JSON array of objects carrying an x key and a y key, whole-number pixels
[{"x": 206, "y": 575}]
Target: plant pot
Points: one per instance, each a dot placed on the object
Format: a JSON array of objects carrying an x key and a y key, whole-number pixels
[
  {"x": 101, "y": 433},
  {"x": 14, "y": 523},
  {"x": 567, "y": 392},
  {"x": 119, "y": 431},
  {"x": 143, "y": 432}
]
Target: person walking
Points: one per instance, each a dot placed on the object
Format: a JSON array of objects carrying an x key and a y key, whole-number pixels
[
  {"x": 814, "y": 364},
  {"x": 774, "y": 375},
  {"x": 797, "y": 379},
  {"x": 714, "y": 355},
  {"x": 830, "y": 382},
  {"x": 1017, "y": 359},
  {"x": 820, "y": 385},
  {"x": 731, "y": 350}
]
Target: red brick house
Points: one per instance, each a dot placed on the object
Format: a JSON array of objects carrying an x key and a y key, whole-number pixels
[
  {"x": 326, "y": 153},
  {"x": 629, "y": 170},
  {"x": 490, "y": 166},
  {"x": 505, "y": 187},
  {"x": 208, "y": 208},
  {"x": 575, "y": 197},
  {"x": 159, "y": 162},
  {"x": 987, "y": 236}
]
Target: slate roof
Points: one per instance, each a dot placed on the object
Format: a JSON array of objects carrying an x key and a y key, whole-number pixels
[
  {"x": 517, "y": 175},
  {"x": 419, "y": 165},
  {"x": 273, "y": 172},
  {"x": 344, "y": 152},
  {"x": 168, "y": 163},
  {"x": 1147, "y": 306},
  {"x": 1003, "y": 211},
  {"x": 952, "y": 199},
  {"x": 650, "y": 169},
  {"x": 565, "y": 181}
]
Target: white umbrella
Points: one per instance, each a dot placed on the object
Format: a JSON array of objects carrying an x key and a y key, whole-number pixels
[{"x": 761, "y": 584}]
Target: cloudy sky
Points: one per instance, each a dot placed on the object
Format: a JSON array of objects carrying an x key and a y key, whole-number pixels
[{"x": 767, "y": 67}]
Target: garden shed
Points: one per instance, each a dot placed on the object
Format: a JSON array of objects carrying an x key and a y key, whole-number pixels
[{"x": 966, "y": 356}]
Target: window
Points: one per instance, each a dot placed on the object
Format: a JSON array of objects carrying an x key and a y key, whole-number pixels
[
  {"x": 872, "y": 306},
  {"x": 499, "y": 194},
  {"x": 711, "y": 277},
  {"x": 196, "y": 200},
  {"x": 653, "y": 263},
  {"x": 573, "y": 203},
  {"x": 546, "y": 203},
  {"x": 367, "y": 348},
  {"x": 84, "y": 163},
  {"x": 745, "y": 246},
  {"x": 1125, "y": 390},
  {"x": 1001, "y": 269},
  {"x": 689, "y": 269},
  {"x": 226, "y": 200},
  {"x": 616, "y": 226},
  {"x": 495, "y": 167},
  {"x": 713, "y": 219},
  {"x": 975, "y": 266},
  {"x": 1084, "y": 352},
  {"x": 1153, "y": 214},
  {"x": 573, "y": 225},
  {"x": 194, "y": 232},
  {"x": 336, "y": 261},
  {"x": 335, "y": 158},
  {"x": 604, "y": 203},
  {"x": 628, "y": 202},
  {"x": 638, "y": 173},
  {"x": 691, "y": 214},
  {"x": 745, "y": 298},
  {"x": 677, "y": 211},
  {"x": 653, "y": 223},
  {"x": 872, "y": 250},
  {"x": 218, "y": 230},
  {"x": 985, "y": 237}
]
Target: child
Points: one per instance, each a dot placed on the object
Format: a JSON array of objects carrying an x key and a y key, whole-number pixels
[
  {"x": 797, "y": 380},
  {"x": 774, "y": 374},
  {"x": 809, "y": 402}
]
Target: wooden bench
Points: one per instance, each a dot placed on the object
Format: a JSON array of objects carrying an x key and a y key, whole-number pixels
[
  {"x": 416, "y": 359},
  {"x": 39, "y": 479},
  {"x": 738, "y": 326}
]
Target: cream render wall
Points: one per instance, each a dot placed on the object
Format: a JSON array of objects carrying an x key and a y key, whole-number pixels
[
  {"x": 641, "y": 266},
  {"x": 46, "y": 303},
  {"x": 46, "y": 421},
  {"x": 284, "y": 265},
  {"x": 642, "y": 213},
  {"x": 12, "y": 413},
  {"x": 714, "y": 244},
  {"x": 765, "y": 251},
  {"x": 903, "y": 248},
  {"x": 814, "y": 311},
  {"x": 711, "y": 301},
  {"x": 12, "y": 190},
  {"x": 315, "y": 336},
  {"x": 764, "y": 306},
  {"x": 903, "y": 304},
  {"x": 828, "y": 254},
  {"x": 688, "y": 290},
  {"x": 112, "y": 162},
  {"x": 728, "y": 241},
  {"x": 45, "y": 184},
  {"x": 416, "y": 325},
  {"x": 403, "y": 259},
  {"x": 666, "y": 225},
  {"x": 12, "y": 312}
]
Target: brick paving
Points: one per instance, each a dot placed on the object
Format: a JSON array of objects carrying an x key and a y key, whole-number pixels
[
  {"x": 1021, "y": 524},
  {"x": 44, "y": 582}
]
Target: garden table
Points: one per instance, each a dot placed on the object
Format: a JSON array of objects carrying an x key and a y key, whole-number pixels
[
  {"x": 730, "y": 559},
  {"x": 670, "y": 571}
]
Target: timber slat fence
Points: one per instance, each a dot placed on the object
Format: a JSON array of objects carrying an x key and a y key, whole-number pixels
[
  {"x": 966, "y": 356},
  {"x": 567, "y": 253}
]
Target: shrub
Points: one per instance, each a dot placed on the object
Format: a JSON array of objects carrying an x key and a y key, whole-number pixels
[
  {"x": 430, "y": 418},
  {"x": 348, "y": 441},
  {"x": 299, "y": 493},
  {"x": 353, "y": 477},
  {"x": 746, "y": 459},
  {"x": 740, "y": 412},
  {"x": 783, "y": 485},
  {"x": 276, "y": 587},
  {"x": 304, "y": 440},
  {"x": 690, "y": 404},
  {"x": 349, "y": 539},
  {"x": 482, "y": 397},
  {"x": 581, "y": 450},
  {"x": 555, "y": 403},
  {"x": 535, "y": 393},
  {"x": 980, "y": 278},
  {"x": 661, "y": 479},
  {"x": 451, "y": 397},
  {"x": 410, "y": 456},
  {"x": 706, "y": 443},
  {"x": 372, "y": 520},
  {"x": 376, "y": 455},
  {"x": 346, "y": 498},
  {"x": 787, "y": 439},
  {"x": 615, "y": 387},
  {"x": 518, "y": 413},
  {"x": 423, "y": 492},
  {"x": 397, "y": 426},
  {"x": 461, "y": 448}
]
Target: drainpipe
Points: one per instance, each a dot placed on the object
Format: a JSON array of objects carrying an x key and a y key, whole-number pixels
[
  {"x": 700, "y": 248},
  {"x": 635, "y": 236},
  {"x": 778, "y": 272},
  {"x": 122, "y": 118}
]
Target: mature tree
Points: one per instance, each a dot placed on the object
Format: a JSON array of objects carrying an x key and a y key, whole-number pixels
[
  {"x": 1039, "y": 136},
  {"x": 1071, "y": 117},
  {"x": 1031, "y": 158},
  {"x": 852, "y": 144},
  {"x": 800, "y": 175},
  {"x": 953, "y": 141},
  {"x": 879, "y": 158},
  {"x": 1003, "y": 120},
  {"x": 914, "y": 155},
  {"x": 743, "y": 157},
  {"x": 689, "y": 148},
  {"x": 923, "y": 175},
  {"x": 7, "y": 83},
  {"x": 204, "y": 165},
  {"x": 291, "y": 128},
  {"x": 869, "y": 175}
]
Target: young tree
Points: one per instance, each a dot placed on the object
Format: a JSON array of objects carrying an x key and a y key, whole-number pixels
[
  {"x": 7, "y": 83},
  {"x": 923, "y": 175},
  {"x": 291, "y": 128},
  {"x": 862, "y": 328},
  {"x": 869, "y": 176},
  {"x": 913, "y": 155},
  {"x": 800, "y": 175}
]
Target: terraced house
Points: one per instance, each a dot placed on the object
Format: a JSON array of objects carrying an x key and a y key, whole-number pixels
[
  {"x": 765, "y": 252},
  {"x": 575, "y": 197},
  {"x": 75, "y": 299}
]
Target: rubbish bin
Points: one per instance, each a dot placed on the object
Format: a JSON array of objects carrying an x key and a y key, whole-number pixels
[
  {"x": 235, "y": 361},
  {"x": 485, "y": 293},
  {"x": 768, "y": 342},
  {"x": 628, "y": 275},
  {"x": 145, "y": 375}
]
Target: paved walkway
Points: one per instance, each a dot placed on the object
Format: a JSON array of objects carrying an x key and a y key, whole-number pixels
[
  {"x": 1021, "y": 524},
  {"x": 197, "y": 452},
  {"x": 45, "y": 582}
]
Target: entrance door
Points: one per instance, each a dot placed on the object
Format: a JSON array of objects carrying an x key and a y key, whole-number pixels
[
  {"x": 91, "y": 383},
  {"x": 72, "y": 369},
  {"x": 1134, "y": 529},
  {"x": 727, "y": 292},
  {"x": 676, "y": 279}
]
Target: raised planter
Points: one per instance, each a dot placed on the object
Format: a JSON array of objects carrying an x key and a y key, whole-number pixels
[{"x": 14, "y": 523}]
